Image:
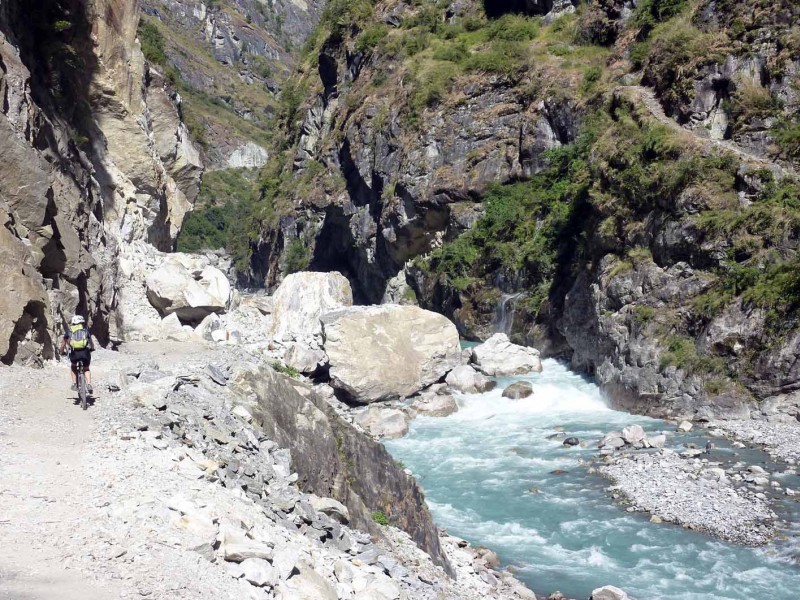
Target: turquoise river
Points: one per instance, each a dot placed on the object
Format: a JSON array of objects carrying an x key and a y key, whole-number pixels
[{"x": 486, "y": 472}]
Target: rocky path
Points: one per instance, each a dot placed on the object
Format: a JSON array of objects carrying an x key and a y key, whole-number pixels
[
  {"x": 648, "y": 98},
  {"x": 165, "y": 489},
  {"x": 43, "y": 441}
]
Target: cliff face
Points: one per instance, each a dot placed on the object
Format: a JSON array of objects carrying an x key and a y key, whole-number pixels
[
  {"x": 94, "y": 155},
  {"x": 618, "y": 177}
]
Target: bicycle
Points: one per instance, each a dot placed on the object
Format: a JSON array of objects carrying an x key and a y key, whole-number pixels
[{"x": 81, "y": 384}]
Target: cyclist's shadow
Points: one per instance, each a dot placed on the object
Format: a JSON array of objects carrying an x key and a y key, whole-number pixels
[{"x": 76, "y": 401}]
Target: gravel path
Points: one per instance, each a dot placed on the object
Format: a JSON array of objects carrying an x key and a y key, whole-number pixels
[{"x": 43, "y": 439}]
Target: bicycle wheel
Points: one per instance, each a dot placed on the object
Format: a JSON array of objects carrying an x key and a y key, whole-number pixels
[{"x": 82, "y": 389}]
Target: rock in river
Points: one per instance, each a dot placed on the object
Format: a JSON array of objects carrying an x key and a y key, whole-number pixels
[
  {"x": 498, "y": 357},
  {"x": 571, "y": 441},
  {"x": 389, "y": 351},
  {"x": 467, "y": 380},
  {"x": 520, "y": 389}
]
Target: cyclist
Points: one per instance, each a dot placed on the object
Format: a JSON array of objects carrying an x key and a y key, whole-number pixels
[{"x": 80, "y": 348}]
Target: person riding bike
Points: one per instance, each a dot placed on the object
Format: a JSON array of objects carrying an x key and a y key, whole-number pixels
[{"x": 81, "y": 346}]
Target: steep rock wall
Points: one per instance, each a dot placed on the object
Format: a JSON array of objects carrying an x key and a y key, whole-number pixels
[{"x": 85, "y": 165}]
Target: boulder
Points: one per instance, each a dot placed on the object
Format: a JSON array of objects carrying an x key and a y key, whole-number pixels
[
  {"x": 302, "y": 298},
  {"x": 435, "y": 402},
  {"x": 612, "y": 440},
  {"x": 387, "y": 423},
  {"x": 609, "y": 592},
  {"x": 242, "y": 550},
  {"x": 191, "y": 294},
  {"x": 520, "y": 389},
  {"x": 467, "y": 380},
  {"x": 633, "y": 434},
  {"x": 498, "y": 357},
  {"x": 389, "y": 351},
  {"x": 571, "y": 441},
  {"x": 657, "y": 441},
  {"x": 208, "y": 326},
  {"x": 306, "y": 585},
  {"x": 685, "y": 426},
  {"x": 333, "y": 508},
  {"x": 259, "y": 572},
  {"x": 304, "y": 359}
]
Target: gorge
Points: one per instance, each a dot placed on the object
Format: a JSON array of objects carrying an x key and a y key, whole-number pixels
[{"x": 319, "y": 198}]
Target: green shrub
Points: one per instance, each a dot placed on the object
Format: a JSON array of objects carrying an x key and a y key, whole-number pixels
[
  {"x": 513, "y": 28},
  {"x": 380, "y": 517},
  {"x": 502, "y": 57},
  {"x": 371, "y": 37},
  {"x": 286, "y": 370},
  {"x": 152, "y": 42},
  {"x": 786, "y": 134},
  {"x": 454, "y": 52},
  {"x": 431, "y": 86},
  {"x": 643, "y": 314},
  {"x": 298, "y": 256}
]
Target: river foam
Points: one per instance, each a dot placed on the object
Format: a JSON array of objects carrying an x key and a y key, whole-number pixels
[{"x": 486, "y": 471}]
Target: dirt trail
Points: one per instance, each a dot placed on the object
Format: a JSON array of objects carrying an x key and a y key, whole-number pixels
[
  {"x": 648, "y": 97},
  {"x": 42, "y": 443},
  {"x": 44, "y": 449}
]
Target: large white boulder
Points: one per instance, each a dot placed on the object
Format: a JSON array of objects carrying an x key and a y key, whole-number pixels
[
  {"x": 498, "y": 357},
  {"x": 388, "y": 351},
  {"x": 467, "y": 380},
  {"x": 191, "y": 292},
  {"x": 302, "y": 298}
]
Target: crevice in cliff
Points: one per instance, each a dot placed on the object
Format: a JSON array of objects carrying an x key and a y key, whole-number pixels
[{"x": 336, "y": 249}]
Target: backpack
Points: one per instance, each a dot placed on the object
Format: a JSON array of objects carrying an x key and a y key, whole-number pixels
[{"x": 79, "y": 337}]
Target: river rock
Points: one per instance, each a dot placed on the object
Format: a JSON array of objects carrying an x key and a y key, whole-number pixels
[
  {"x": 657, "y": 441},
  {"x": 190, "y": 291},
  {"x": 302, "y": 298},
  {"x": 436, "y": 401},
  {"x": 498, "y": 357},
  {"x": 612, "y": 440},
  {"x": 517, "y": 390},
  {"x": 685, "y": 426},
  {"x": 633, "y": 434},
  {"x": 571, "y": 441},
  {"x": 389, "y": 351},
  {"x": 467, "y": 380},
  {"x": 386, "y": 423},
  {"x": 609, "y": 592}
]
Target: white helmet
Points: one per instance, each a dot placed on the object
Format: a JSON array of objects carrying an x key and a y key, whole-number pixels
[{"x": 77, "y": 320}]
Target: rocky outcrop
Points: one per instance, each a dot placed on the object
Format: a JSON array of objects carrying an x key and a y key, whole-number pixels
[
  {"x": 388, "y": 352},
  {"x": 335, "y": 460},
  {"x": 302, "y": 298}
]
